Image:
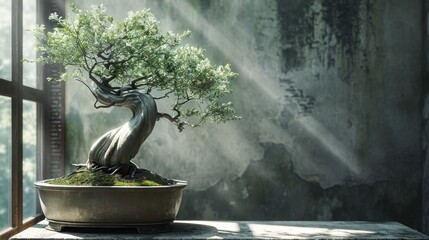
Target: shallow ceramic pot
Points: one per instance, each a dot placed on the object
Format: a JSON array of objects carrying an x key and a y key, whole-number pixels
[{"x": 109, "y": 206}]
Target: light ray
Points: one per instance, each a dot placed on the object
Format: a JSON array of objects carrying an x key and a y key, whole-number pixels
[{"x": 245, "y": 63}]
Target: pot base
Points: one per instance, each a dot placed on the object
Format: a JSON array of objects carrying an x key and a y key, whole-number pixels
[
  {"x": 145, "y": 208},
  {"x": 60, "y": 226}
]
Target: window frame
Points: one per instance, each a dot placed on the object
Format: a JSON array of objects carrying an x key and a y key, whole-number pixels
[{"x": 50, "y": 101}]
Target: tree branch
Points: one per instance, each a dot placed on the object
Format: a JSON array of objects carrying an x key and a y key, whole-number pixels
[
  {"x": 103, "y": 106},
  {"x": 100, "y": 53},
  {"x": 175, "y": 120},
  {"x": 100, "y": 85},
  {"x": 165, "y": 95},
  {"x": 133, "y": 82},
  {"x": 95, "y": 96}
]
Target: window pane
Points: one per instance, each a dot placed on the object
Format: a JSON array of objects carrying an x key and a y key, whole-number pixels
[
  {"x": 29, "y": 154},
  {"x": 29, "y": 49},
  {"x": 5, "y": 39},
  {"x": 5, "y": 162}
]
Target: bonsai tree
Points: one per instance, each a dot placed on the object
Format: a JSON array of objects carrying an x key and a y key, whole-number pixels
[{"x": 132, "y": 64}]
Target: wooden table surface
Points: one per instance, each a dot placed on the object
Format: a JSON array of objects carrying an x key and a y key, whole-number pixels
[{"x": 237, "y": 230}]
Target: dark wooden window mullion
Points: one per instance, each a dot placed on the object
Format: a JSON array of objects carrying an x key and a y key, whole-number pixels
[
  {"x": 32, "y": 94},
  {"x": 17, "y": 106},
  {"x": 7, "y": 88},
  {"x": 50, "y": 113},
  {"x": 16, "y": 162}
]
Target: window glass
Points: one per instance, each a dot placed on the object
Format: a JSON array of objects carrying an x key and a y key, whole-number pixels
[
  {"x": 29, "y": 155},
  {"x": 5, "y": 162},
  {"x": 29, "y": 49},
  {"x": 5, "y": 39}
]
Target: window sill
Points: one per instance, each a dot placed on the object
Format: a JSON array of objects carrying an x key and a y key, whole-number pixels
[{"x": 238, "y": 229}]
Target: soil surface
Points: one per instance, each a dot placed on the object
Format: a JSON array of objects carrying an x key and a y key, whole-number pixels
[{"x": 82, "y": 176}]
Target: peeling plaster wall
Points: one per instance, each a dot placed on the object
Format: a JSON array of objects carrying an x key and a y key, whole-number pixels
[{"x": 330, "y": 93}]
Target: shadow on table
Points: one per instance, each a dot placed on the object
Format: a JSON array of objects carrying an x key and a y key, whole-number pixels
[{"x": 174, "y": 230}]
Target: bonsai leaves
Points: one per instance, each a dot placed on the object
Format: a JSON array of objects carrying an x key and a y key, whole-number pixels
[
  {"x": 198, "y": 79},
  {"x": 135, "y": 54}
]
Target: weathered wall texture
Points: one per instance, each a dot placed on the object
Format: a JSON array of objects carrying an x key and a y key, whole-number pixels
[
  {"x": 425, "y": 129},
  {"x": 330, "y": 93}
]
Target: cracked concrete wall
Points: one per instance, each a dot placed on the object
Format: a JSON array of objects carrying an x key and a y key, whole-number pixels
[
  {"x": 330, "y": 93},
  {"x": 425, "y": 130}
]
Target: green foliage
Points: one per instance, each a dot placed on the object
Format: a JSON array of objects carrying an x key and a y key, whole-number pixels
[
  {"x": 87, "y": 178},
  {"x": 134, "y": 53}
]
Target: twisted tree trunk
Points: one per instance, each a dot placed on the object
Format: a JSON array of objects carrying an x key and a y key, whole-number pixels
[{"x": 116, "y": 148}]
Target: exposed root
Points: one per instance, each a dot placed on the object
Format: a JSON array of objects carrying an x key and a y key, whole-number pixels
[
  {"x": 115, "y": 169},
  {"x": 128, "y": 172},
  {"x": 78, "y": 168}
]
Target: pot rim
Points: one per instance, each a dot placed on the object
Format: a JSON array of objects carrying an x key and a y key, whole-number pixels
[{"x": 180, "y": 184}]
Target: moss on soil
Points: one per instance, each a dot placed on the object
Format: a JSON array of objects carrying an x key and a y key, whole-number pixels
[{"x": 87, "y": 178}]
